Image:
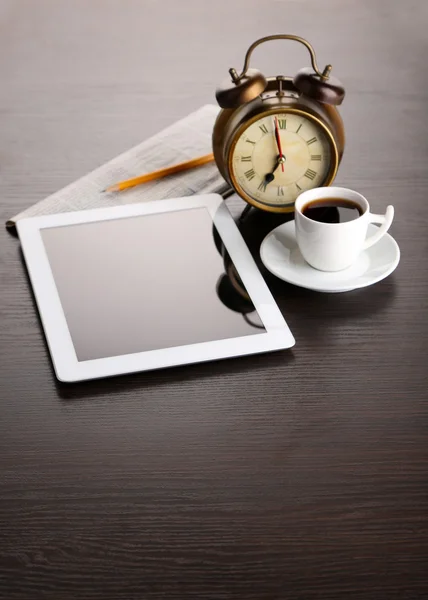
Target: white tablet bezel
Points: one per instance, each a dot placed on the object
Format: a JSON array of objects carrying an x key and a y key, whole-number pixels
[{"x": 66, "y": 365}]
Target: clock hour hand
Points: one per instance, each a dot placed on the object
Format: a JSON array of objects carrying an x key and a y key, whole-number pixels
[{"x": 269, "y": 177}]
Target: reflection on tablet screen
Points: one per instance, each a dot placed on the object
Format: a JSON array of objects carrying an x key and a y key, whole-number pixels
[{"x": 145, "y": 283}]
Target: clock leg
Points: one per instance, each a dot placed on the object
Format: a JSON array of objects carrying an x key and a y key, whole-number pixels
[
  {"x": 229, "y": 192},
  {"x": 245, "y": 213}
]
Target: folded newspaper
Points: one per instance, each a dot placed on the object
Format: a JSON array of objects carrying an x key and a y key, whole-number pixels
[{"x": 186, "y": 139}]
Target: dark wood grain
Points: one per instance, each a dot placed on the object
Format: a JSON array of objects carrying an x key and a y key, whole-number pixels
[{"x": 294, "y": 475}]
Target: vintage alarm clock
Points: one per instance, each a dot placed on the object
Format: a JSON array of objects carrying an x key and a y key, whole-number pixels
[{"x": 276, "y": 137}]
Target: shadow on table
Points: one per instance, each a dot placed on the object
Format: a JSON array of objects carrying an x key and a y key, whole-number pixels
[{"x": 138, "y": 382}]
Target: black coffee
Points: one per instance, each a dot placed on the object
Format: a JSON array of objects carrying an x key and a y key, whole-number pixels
[{"x": 332, "y": 210}]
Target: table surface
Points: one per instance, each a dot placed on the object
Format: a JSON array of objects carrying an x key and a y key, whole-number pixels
[{"x": 300, "y": 474}]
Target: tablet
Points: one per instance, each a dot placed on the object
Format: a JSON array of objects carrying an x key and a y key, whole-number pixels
[{"x": 145, "y": 286}]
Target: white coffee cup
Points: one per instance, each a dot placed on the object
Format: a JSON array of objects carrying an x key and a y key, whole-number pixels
[{"x": 335, "y": 246}]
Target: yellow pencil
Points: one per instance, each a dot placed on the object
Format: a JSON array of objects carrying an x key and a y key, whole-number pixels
[{"x": 184, "y": 166}]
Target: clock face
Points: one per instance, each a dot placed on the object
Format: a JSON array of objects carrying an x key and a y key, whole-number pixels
[{"x": 272, "y": 171}]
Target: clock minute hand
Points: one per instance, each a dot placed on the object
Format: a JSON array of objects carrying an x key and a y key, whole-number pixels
[{"x": 278, "y": 141}]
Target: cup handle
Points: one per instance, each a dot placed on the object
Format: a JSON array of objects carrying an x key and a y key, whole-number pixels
[{"x": 385, "y": 221}]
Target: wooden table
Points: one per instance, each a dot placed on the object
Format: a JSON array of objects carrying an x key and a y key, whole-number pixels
[{"x": 295, "y": 475}]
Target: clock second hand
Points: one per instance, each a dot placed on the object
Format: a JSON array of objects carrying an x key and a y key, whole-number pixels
[{"x": 278, "y": 142}]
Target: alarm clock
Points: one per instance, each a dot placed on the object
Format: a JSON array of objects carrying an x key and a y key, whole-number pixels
[{"x": 277, "y": 137}]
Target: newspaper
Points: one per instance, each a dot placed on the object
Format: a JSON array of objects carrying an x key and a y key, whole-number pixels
[{"x": 186, "y": 139}]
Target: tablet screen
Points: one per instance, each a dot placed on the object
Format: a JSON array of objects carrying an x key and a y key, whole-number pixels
[{"x": 146, "y": 282}]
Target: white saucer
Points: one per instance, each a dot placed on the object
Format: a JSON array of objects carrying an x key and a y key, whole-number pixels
[{"x": 280, "y": 254}]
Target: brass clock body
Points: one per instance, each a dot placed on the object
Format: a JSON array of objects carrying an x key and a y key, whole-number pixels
[{"x": 267, "y": 172}]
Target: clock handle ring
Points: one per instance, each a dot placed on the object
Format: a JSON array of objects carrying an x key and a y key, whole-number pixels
[{"x": 282, "y": 36}]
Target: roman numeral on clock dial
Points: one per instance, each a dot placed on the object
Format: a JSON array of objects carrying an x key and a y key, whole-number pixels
[
  {"x": 250, "y": 174},
  {"x": 310, "y": 174}
]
